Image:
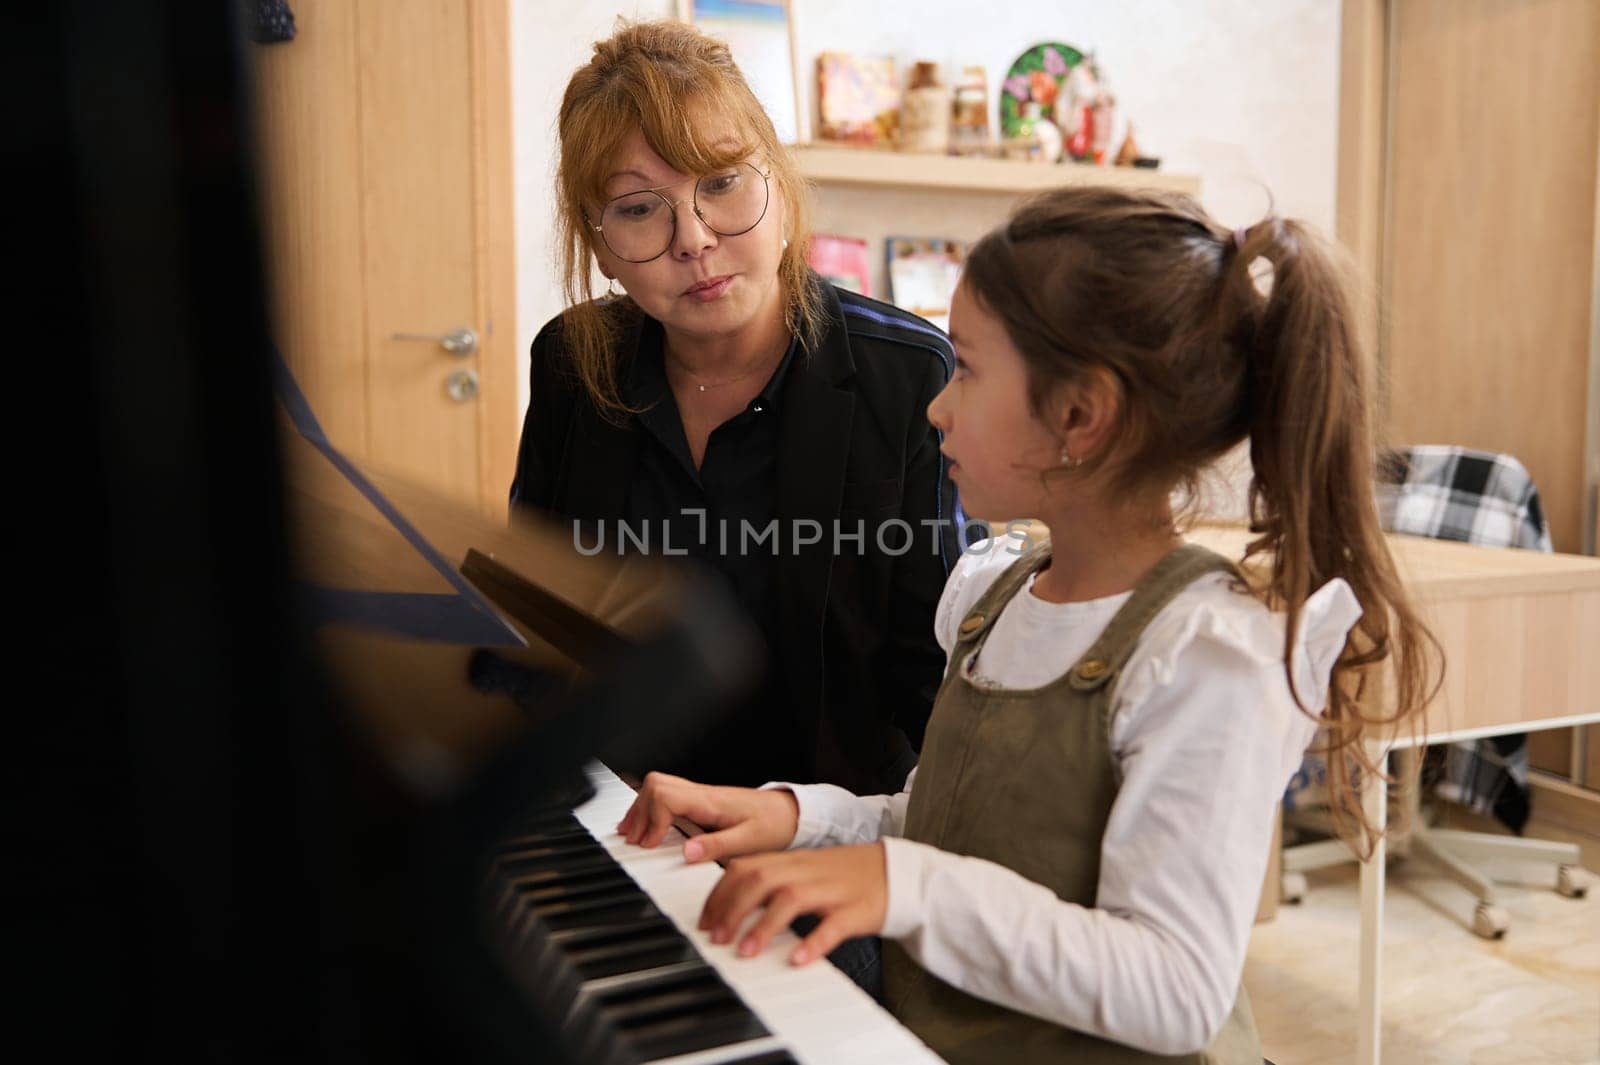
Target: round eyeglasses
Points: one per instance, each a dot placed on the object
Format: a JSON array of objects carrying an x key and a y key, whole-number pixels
[{"x": 641, "y": 226}]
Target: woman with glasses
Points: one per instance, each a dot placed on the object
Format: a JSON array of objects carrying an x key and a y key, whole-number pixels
[{"x": 729, "y": 405}]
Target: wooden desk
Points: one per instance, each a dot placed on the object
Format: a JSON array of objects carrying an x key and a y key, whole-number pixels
[
  {"x": 1520, "y": 632},
  {"x": 1521, "y": 638}
]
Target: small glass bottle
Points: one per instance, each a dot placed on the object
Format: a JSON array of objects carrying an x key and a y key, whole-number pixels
[
  {"x": 925, "y": 112},
  {"x": 969, "y": 115}
]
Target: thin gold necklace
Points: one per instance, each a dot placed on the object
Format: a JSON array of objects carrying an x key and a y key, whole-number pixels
[{"x": 729, "y": 380}]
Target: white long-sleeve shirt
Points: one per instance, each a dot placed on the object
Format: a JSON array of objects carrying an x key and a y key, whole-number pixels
[{"x": 1205, "y": 737}]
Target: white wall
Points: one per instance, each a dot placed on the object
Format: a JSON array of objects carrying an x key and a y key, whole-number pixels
[
  {"x": 549, "y": 40},
  {"x": 1243, "y": 93}
]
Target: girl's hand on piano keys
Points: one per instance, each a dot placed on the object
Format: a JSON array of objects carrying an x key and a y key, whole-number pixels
[
  {"x": 737, "y": 820},
  {"x": 846, "y": 886}
]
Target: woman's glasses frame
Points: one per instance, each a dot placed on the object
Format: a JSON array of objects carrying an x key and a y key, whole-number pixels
[{"x": 694, "y": 204}]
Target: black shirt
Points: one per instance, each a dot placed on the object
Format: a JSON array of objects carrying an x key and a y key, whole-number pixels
[
  {"x": 855, "y": 659},
  {"x": 716, "y": 515}
]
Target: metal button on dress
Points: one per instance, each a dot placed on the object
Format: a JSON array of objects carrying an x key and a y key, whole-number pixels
[{"x": 1092, "y": 668}]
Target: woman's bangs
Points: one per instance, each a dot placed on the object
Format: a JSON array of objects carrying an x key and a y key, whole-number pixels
[
  {"x": 708, "y": 132},
  {"x": 602, "y": 131}
]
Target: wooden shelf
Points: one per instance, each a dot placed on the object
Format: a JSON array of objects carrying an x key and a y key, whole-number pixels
[{"x": 865, "y": 167}]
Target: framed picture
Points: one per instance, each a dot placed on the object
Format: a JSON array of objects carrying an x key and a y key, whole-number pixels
[
  {"x": 760, "y": 33},
  {"x": 858, "y": 99}
]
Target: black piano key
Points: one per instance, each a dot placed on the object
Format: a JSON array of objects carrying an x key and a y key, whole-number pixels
[
  {"x": 577, "y": 943},
  {"x": 699, "y": 990},
  {"x": 574, "y": 916},
  {"x": 548, "y": 814},
  {"x": 624, "y": 908},
  {"x": 547, "y": 827},
  {"x": 592, "y": 1040},
  {"x": 601, "y": 952},
  {"x": 564, "y": 795},
  {"x": 594, "y": 897},
  {"x": 560, "y": 824},
  {"x": 506, "y": 913},
  {"x": 527, "y": 868},
  {"x": 531, "y": 847},
  {"x": 577, "y": 938},
  {"x": 765, "y": 1057},
  {"x": 675, "y": 1013},
  {"x": 568, "y": 869},
  {"x": 630, "y": 957},
  {"x": 687, "y": 1033},
  {"x": 575, "y": 886}
]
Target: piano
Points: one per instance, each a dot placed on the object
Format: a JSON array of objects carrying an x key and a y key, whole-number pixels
[
  {"x": 599, "y": 935},
  {"x": 602, "y": 934}
]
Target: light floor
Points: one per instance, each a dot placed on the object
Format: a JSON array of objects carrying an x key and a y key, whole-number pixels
[{"x": 1448, "y": 996}]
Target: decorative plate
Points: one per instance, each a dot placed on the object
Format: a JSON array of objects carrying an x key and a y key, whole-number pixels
[{"x": 1040, "y": 74}]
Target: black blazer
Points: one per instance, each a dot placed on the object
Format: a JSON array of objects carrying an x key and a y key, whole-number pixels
[{"x": 857, "y": 655}]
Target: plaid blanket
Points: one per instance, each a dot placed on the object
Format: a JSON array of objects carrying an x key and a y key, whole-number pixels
[
  {"x": 1475, "y": 497},
  {"x": 1453, "y": 493},
  {"x": 1484, "y": 498}
]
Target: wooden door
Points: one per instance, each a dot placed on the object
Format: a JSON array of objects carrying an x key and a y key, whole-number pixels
[
  {"x": 1494, "y": 112},
  {"x": 1469, "y": 192},
  {"x": 385, "y": 140}
]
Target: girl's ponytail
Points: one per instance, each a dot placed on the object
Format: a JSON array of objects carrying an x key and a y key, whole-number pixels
[{"x": 1312, "y": 505}]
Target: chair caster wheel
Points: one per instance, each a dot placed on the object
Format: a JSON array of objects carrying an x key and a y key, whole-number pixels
[
  {"x": 1572, "y": 882},
  {"x": 1292, "y": 887},
  {"x": 1490, "y": 922}
]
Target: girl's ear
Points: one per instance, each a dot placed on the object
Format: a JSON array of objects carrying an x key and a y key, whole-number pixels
[{"x": 1087, "y": 411}]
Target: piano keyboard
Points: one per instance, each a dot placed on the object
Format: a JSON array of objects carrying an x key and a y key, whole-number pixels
[{"x": 605, "y": 932}]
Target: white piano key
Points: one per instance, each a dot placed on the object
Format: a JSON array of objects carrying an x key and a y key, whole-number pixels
[{"x": 818, "y": 1013}]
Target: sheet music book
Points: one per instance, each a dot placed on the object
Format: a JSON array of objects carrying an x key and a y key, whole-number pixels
[{"x": 459, "y": 616}]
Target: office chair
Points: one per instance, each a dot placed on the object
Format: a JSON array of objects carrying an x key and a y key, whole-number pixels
[{"x": 1476, "y": 497}]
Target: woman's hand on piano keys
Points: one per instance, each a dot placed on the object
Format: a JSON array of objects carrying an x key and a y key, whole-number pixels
[
  {"x": 737, "y": 820},
  {"x": 847, "y": 887}
]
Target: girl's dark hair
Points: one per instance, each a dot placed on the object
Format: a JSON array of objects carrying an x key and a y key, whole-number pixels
[{"x": 1147, "y": 286}]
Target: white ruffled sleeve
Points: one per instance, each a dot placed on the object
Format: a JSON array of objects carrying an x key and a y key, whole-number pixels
[{"x": 1240, "y": 624}]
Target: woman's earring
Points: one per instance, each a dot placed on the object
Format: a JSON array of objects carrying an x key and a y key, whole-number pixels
[
  {"x": 611, "y": 289},
  {"x": 1068, "y": 462},
  {"x": 785, "y": 243}
]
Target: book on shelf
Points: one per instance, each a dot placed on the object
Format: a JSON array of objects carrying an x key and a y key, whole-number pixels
[
  {"x": 841, "y": 260},
  {"x": 923, "y": 272}
]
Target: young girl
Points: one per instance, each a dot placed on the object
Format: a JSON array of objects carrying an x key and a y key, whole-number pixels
[{"x": 1072, "y": 870}]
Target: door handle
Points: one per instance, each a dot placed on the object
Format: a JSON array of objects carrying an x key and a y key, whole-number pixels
[{"x": 458, "y": 342}]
